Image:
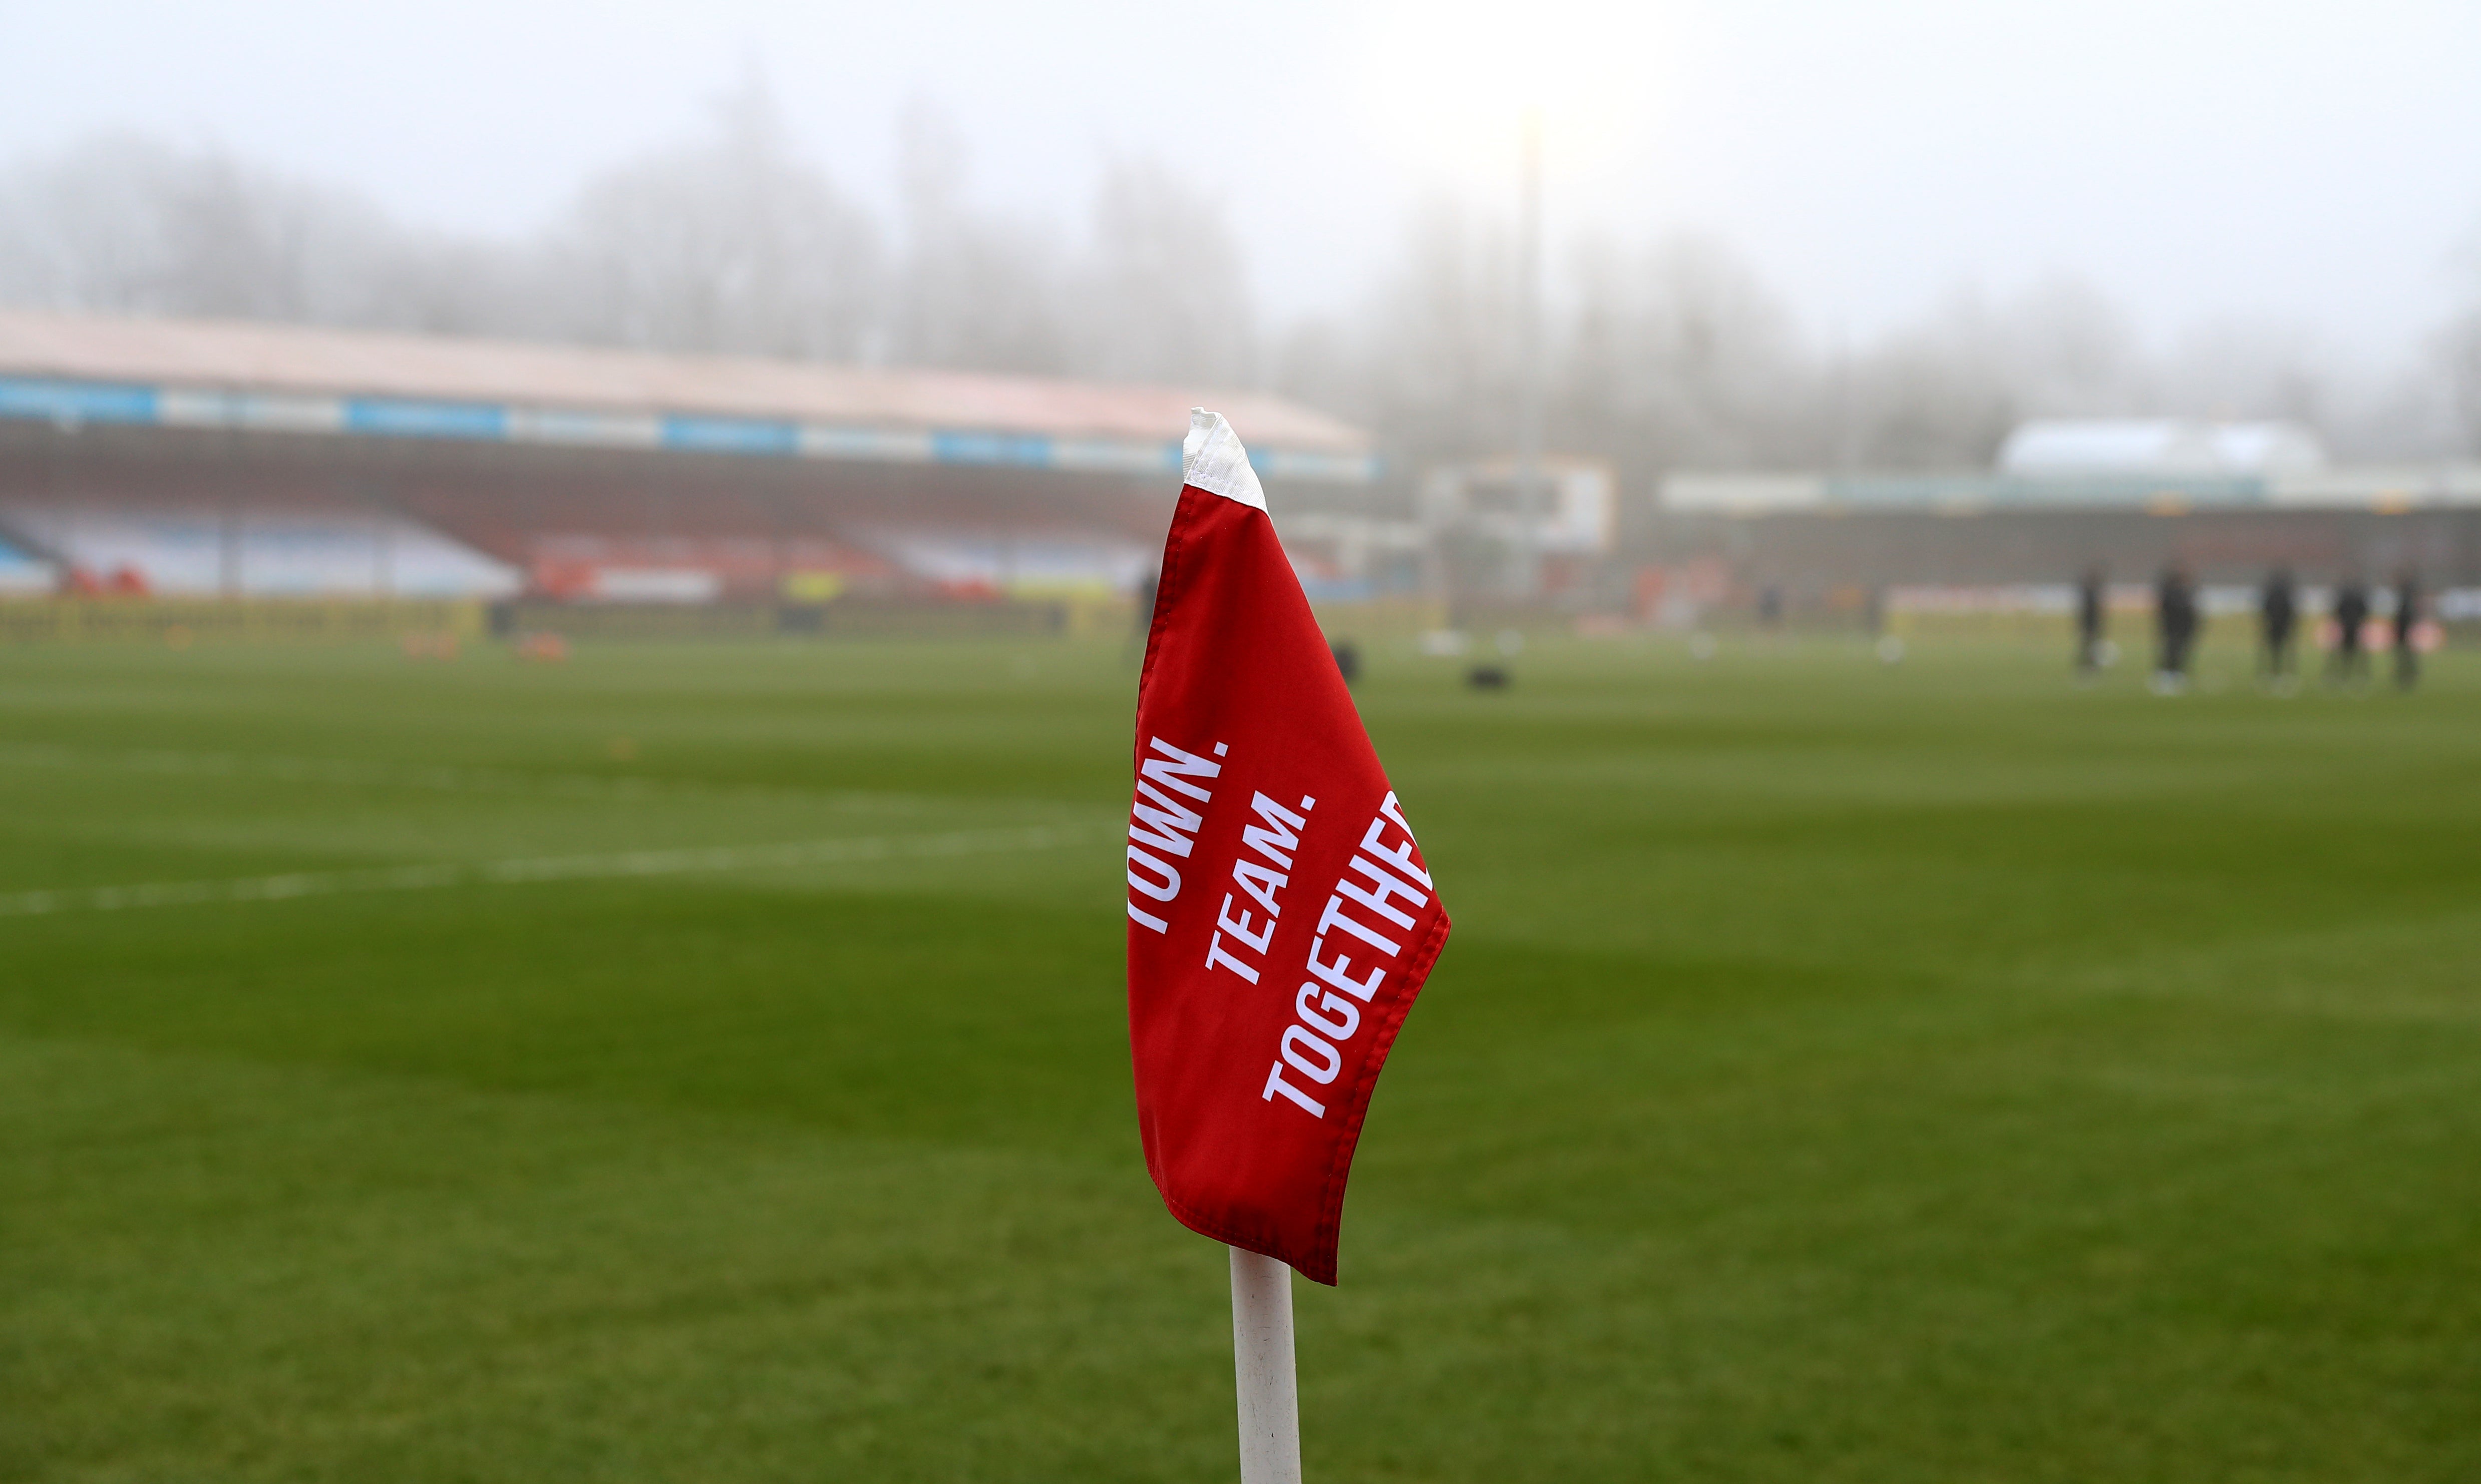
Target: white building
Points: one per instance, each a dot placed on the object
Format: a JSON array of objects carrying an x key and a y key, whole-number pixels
[{"x": 2170, "y": 446}]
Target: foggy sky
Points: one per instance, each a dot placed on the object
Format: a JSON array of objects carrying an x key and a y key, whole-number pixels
[{"x": 2315, "y": 166}]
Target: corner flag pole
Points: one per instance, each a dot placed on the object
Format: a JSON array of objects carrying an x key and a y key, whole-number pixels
[{"x": 1262, "y": 1365}]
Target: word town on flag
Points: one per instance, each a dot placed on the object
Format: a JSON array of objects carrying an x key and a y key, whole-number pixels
[{"x": 1281, "y": 917}]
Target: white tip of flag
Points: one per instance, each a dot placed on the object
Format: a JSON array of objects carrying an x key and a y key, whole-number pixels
[{"x": 1212, "y": 459}]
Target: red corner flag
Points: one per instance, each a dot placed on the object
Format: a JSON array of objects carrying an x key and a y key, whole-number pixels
[{"x": 1281, "y": 919}]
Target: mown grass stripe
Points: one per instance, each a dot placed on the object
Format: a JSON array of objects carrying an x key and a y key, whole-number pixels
[{"x": 532, "y": 870}]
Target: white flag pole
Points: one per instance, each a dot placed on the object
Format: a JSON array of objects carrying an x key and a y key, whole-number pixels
[{"x": 1262, "y": 1365}]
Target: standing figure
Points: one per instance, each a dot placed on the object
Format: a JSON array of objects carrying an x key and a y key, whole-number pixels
[
  {"x": 2407, "y": 619},
  {"x": 2277, "y": 612},
  {"x": 2175, "y": 618},
  {"x": 2349, "y": 662},
  {"x": 1134, "y": 650},
  {"x": 2090, "y": 608}
]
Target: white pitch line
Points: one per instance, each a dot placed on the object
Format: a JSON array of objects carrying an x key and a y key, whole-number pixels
[
  {"x": 540, "y": 868},
  {"x": 443, "y": 778}
]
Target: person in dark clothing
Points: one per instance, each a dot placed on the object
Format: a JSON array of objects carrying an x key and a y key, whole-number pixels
[
  {"x": 2091, "y": 608},
  {"x": 1135, "y": 648},
  {"x": 2349, "y": 662},
  {"x": 2175, "y": 618},
  {"x": 2278, "y": 614},
  {"x": 2407, "y": 619}
]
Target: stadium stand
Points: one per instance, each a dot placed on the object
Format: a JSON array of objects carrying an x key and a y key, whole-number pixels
[
  {"x": 2227, "y": 501},
  {"x": 256, "y": 460},
  {"x": 258, "y": 554}
]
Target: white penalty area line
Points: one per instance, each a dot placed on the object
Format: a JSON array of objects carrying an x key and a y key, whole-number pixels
[{"x": 526, "y": 871}]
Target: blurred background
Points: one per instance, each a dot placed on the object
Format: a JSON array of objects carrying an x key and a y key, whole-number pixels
[
  {"x": 1757, "y": 267},
  {"x": 570, "y": 582}
]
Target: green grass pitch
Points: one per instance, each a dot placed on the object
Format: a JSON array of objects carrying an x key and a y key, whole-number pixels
[{"x": 1839, "y": 1072}]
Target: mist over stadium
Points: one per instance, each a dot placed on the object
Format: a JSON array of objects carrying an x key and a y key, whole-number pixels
[
  {"x": 1707, "y": 428},
  {"x": 574, "y": 583}
]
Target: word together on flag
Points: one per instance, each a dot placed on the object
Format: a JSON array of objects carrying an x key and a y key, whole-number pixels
[{"x": 1306, "y": 1051}]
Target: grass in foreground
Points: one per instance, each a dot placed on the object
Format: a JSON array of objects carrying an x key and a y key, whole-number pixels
[{"x": 1839, "y": 1072}]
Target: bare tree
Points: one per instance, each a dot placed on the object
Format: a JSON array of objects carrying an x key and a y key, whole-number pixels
[
  {"x": 1441, "y": 353},
  {"x": 121, "y": 223},
  {"x": 1676, "y": 354},
  {"x": 2459, "y": 347},
  {"x": 2456, "y": 353},
  {"x": 727, "y": 244},
  {"x": 1660, "y": 355},
  {"x": 975, "y": 290},
  {"x": 1166, "y": 295}
]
